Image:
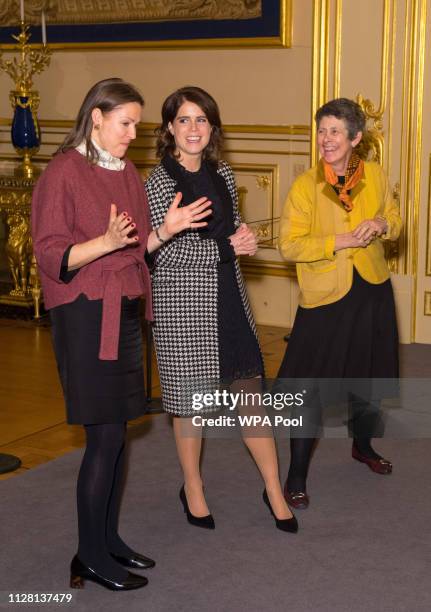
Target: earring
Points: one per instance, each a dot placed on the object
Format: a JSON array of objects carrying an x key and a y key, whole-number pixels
[{"x": 97, "y": 126}]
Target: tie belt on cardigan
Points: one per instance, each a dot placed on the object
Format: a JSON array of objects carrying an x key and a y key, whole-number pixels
[{"x": 111, "y": 310}]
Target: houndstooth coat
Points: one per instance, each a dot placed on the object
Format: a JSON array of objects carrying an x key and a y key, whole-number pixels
[{"x": 185, "y": 286}]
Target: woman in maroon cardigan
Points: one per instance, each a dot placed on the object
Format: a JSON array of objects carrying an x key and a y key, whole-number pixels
[{"x": 91, "y": 232}]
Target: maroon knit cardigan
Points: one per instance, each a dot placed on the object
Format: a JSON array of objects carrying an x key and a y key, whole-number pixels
[{"x": 71, "y": 204}]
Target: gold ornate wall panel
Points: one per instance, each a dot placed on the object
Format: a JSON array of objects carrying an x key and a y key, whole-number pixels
[
  {"x": 427, "y": 304},
  {"x": 428, "y": 237},
  {"x": 353, "y": 53},
  {"x": 320, "y": 67}
]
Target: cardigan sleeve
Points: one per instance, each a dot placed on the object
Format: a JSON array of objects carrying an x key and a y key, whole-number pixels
[
  {"x": 52, "y": 221},
  {"x": 296, "y": 243},
  {"x": 391, "y": 211}
]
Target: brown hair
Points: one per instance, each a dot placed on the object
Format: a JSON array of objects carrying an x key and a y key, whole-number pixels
[
  {"x": 348, "y": 110},
  {"x": 105, "y": 95},
  {"x": 166, "y": 142}
]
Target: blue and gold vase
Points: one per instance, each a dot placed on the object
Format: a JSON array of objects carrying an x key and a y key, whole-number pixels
[{"x": 25, "y": 128}]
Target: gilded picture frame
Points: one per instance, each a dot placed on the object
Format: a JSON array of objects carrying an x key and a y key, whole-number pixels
[{"x": 256, "y": 23}]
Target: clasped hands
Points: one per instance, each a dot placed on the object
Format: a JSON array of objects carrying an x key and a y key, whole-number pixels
[{"x": 367, "y": 231}]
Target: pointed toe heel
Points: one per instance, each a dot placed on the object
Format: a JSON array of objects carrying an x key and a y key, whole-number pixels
[
  {"x": 207, "y": 522},
  {"x": 289, "y": 525}
]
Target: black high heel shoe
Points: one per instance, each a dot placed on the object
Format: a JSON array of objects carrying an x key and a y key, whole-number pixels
[
  {"x": 80, "y": 572},
  {"x": 207, "y": 522},
  {"x": 136, "y": 561},
  {"x": 290, "y": 525}
]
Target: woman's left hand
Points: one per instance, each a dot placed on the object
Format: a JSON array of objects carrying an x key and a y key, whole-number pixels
[
  {"x": 244, "y": 241},
  {"x": 187, "y": 217},
  {"x": 369, "y": 229}
]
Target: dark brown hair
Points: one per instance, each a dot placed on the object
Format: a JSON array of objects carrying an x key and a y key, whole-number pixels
[
  {"x": 166, "y": 142},
  {"x": 343, "y": 108},
  {"x": 105, "y": 95}
]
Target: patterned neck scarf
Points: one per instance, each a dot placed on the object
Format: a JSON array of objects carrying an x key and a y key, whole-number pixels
[{"x": 354, "y": 173}]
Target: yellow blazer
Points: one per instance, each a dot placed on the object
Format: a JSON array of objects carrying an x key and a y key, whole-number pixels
[{"x": 312, "y": 216}]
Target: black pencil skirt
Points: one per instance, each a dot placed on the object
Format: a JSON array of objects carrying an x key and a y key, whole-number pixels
[{"x": 98, "y": 391}]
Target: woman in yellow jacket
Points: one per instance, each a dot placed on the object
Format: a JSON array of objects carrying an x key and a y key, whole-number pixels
[{"x": 334, "y": 223}]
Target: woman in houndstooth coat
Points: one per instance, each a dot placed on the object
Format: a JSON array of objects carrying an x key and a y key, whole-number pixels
[{"x": 204, "y": 331}]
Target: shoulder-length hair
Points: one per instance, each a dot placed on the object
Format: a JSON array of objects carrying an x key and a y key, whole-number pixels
[
  {"x": 166, "y": 142},
  {"x": 105, "y": 95}
]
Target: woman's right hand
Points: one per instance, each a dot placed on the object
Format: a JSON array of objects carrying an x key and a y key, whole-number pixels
[
  {"x": 191, "y": 216},
  {"x": 350, "y": 241},
  {"x": 117, "y": 236},
  {"x": 243, "y": 241}
]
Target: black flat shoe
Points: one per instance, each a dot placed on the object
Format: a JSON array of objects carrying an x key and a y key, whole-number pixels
[
  {"x": 207, "y": 522},
  {"x": 80, "y": 572},
  {"x": 290, "y": 525},
  {"x": 136, "y": 561}
]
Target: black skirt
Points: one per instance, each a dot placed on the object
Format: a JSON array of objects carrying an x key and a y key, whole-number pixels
[
  {"x": 98, "y": 391},
  {"x": 355, "y": 337}
]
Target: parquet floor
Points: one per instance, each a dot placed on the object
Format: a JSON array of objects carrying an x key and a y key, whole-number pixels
[{"x": 32, "y": 421}]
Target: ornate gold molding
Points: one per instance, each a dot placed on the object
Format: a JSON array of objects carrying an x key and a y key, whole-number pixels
[
  {"x": 283, "y": 39},
  {"x": 266, "y": 177},
  {"x": 428, "y": 251},
  {"x": 414, "y": 62},
  {"x": 372, "y": 145},
  {"x": 253, "y": 267},
  {"x": 320, "y": 65},
  {"x": 427, "y": 304},
  {"x": 240, "y": 128},
  {"x": 263, "y": 182},
  {"x": 337, "y": 49}
]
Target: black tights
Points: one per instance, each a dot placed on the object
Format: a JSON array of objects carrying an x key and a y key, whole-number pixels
[
  {"x": 301, "y": 450},
  {"x": 99, "y": 491},
  {"x": 365, "y": 420}
]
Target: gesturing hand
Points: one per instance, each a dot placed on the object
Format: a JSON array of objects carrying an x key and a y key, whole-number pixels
[
  {"x": 369, "y": 229},
  {"x": 119, "y": 228},
  {"x": 187, "y": 217},
  {"x": 243, "y": 241}
]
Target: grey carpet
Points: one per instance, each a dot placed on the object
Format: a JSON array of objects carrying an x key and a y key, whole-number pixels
[
  {"x": 415, "y": 360},
  {"x": 363, "y": 545}
]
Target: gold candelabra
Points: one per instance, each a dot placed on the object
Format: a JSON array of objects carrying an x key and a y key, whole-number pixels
[{"x": 25, "y": 101}]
